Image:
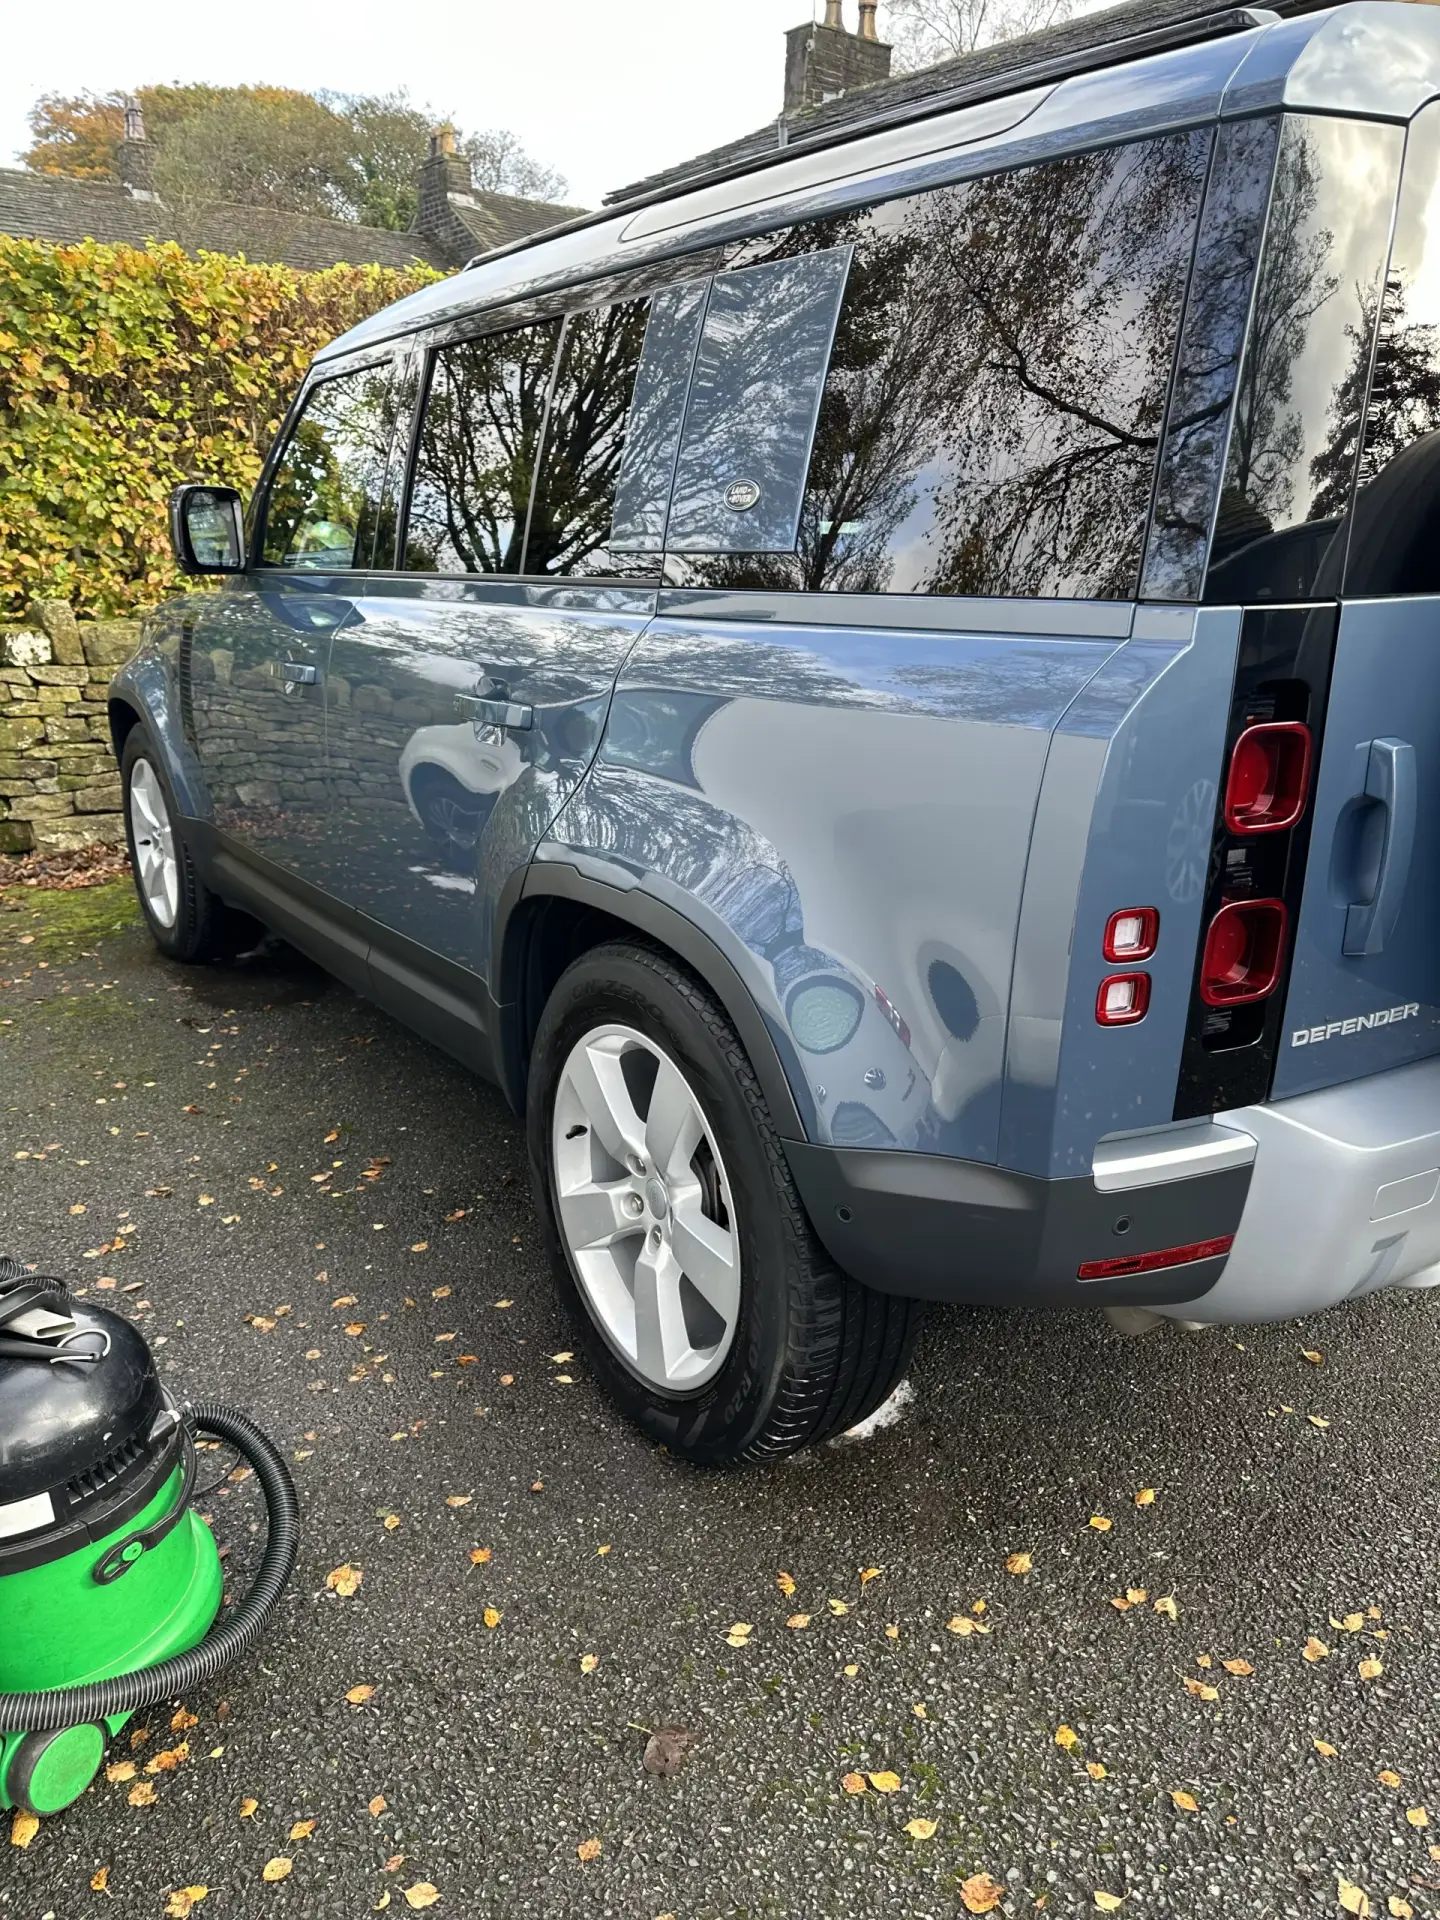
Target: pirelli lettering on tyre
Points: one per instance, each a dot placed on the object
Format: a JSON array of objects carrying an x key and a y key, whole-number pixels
[{"x": 1360, "y": 1023}]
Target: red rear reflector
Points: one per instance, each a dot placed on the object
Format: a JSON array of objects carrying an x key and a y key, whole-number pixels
[
  {"x": 1123, "y": 999},
  {"x": 1269, "y": 777},
  {"x": 1131, "y": 934},
  {"x": 1153, "y": 1262},
  {"x": 1244, "y": 951}
]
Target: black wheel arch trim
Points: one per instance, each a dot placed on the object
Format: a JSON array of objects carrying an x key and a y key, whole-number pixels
[{"x": 635, "y": 907}]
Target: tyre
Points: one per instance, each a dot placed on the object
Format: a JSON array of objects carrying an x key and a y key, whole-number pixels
[
  {"x": 706, "y": 1303},
  {"x": 186, "y": 920}
]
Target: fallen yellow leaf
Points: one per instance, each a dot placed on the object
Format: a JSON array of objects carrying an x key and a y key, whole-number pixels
[
  {"x": 1317, "y": 1419},
  {"x": 119, "y": 1770},
  {"x": 1145, "y": 1497},
  {"x": 23, "y": 1828},
  {"x": 377, "y": 1806},
  {"x": 458, "y": 1499},
  {"x": 1100, "y": 1523},
  {"x": 1200, "y": 1690},
  {"x": 1237, "y": 1666},
  {"x": 1400, "y": 1909},
  {"x": 248, "y": 1809},
  {"x": 1186, "y": 1802},
  {"x": 1417, "y": 1816},
  {"x": 1094, "y": 1769},
  {"x": 492, "y": 1616},
  {"x": 1370, "y": 1669},
  {"x": 100, "y": 1882},
  {"x": 302, "y": 1829},
  {"x": 344, "y": 1580},
  {"x": 1388, "y": 1777},
  {"x": 279, "y": 1868},
  {"x": 921, "y": 1829},
  {"x": 181, "y": 1721},
  {"x": 1066, "y": 1737},
  {"x": 837, "y": 1607},
  {"x": 850, "y": 1671},
  {"x": 1352, "y": 1623},
  {"x": 1019, "y": 1563},
  {"x": 981, "y": 1894},
  {"x": 1314, "y": 1649},
  {"x": 1324, "y": 1748},
  {"x": 357, "y": 1696},
  {"x": 142, "y": 1794},
  {"x": 168, "y": 1761},
  {"x": 589, "y": 1662},
  {"x": 959, "y": 1623},
  {"x": 423, "y": 1894},
  {"x": 798, "y": 1620},
  {"x": 1315, "y": 1359},
  {"x": 854, "y": 1782},
  {"x": 867, "y": 1574},
  {"x": 184, "y": 1900},
  {"x": 885, "y": 1781},
  {"x": 1352, "y": 1898},
  {"x": 892, "y": 1633},
  {"x": 1166, "y": 1604},
  {"x": 1109, "y": 1902},
  {"x": 588, "y": 1850},
  {"x": 479, "y": 1556}
]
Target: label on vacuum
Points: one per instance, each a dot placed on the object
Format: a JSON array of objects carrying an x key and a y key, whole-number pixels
[{"x": 24, "y": 1516}]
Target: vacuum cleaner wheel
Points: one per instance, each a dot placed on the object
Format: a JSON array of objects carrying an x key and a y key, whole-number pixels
[{"x": 50, "y": 1770}]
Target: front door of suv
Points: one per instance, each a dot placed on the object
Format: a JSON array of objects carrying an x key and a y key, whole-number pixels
[
  {"x": 261, "y": 647},
  {"x": 468, "y": 697}
]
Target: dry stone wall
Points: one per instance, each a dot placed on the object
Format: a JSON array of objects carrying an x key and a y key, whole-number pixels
[{"x": 59, "y": 785}]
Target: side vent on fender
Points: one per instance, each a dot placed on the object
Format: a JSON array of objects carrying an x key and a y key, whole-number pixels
[{"x": 183, "y": 668}]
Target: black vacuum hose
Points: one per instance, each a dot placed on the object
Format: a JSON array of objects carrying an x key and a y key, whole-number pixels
[{"x": 129, "y": 1692}]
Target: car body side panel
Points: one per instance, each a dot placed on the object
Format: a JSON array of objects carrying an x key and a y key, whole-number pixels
[
  {"x": 1125, "y": 819},
  {"x": 847, "y": 813}
]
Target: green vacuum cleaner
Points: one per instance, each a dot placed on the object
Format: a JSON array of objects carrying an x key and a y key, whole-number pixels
[{"x": 110, "y": 1582}]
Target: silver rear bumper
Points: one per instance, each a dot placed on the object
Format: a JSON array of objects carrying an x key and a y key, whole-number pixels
[{"x": 1344, "y": 1199}]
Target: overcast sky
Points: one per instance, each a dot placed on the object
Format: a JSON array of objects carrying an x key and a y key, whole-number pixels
[{"x": 605, "y": 90}]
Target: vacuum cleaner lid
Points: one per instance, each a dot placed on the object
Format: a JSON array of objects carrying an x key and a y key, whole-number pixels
[{"x": 69, "y": 1427}]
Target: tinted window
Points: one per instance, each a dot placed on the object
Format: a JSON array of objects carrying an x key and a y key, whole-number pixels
[
  {"x": 1208, "y": 365},
  {"x": 993, "y": 407},
  {"x": 1295, "y": 436},
  {"x": 475, "y": 462},
  {"x": 1394, "y": 546},
  {"x": 585, "y": 442},
  {"x": 325, "y": 495},
  {"x": 759, "y": 373},
  {"x": 657, "y": 414}
]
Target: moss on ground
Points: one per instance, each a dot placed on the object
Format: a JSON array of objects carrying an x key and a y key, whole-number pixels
[{"x": 40, "y": 925}]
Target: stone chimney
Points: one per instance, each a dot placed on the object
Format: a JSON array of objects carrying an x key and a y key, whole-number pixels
[
  {"x": 823, "y": 61},
  {"x": 445, "y": 189},
  {"x": 135, "y": 158}
]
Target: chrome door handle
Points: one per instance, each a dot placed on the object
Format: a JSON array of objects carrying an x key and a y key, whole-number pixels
[
  {"x": 297, "y": 674},
  {"x": 1390, "y": 780},
  {"x": 497, "y": 713}
]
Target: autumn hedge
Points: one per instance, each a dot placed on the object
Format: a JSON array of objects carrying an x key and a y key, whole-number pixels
[{"x": 123, "y": 373}]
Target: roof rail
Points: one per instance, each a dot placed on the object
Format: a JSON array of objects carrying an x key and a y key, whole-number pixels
[{"x": 1087, "y": 56}]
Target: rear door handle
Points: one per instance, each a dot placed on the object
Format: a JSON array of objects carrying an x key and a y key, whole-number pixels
[
  {"x": 497, "y": 713},
  {"x": 1390, "y": 781},
  {"x": 298, "y": 674}
]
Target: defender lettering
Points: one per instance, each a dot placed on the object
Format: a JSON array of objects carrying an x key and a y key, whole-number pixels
[{"x": 1361, "y": 1023}]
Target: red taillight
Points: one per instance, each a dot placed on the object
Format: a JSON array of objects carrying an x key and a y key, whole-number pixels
[
  {"x": 1269, "y": 777},
  {"x": 1244, "y": 952},
  {"x": 1131, "y": 934},
  {"x": 1153, "y": 1262},
  {"x": 1123, "y": 999}
]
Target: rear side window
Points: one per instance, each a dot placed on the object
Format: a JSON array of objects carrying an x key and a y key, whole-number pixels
[
  {"x": 1282, "y": 520},
  {"x": 476, "y": 456},
  {"x": 1395, "y": 540},
  {"x": 327, "y": 487},
  {"x": 585, "y": 434},
  {"x": 991, "y": 417}
]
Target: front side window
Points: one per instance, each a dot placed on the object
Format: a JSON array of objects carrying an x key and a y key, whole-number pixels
[
  {"x": 478, "y": 446},
  {"x": 990, "y": 420},
  {"x": 1281, "y": 524},
  {"x": 325, "y": 496},
  {"x": 585, "y": 435}
]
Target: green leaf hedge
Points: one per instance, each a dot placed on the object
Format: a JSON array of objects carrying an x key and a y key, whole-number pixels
[{"x": 124, "y": 372}]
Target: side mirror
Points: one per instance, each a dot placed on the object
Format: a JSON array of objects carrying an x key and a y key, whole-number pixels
[{"x": 207, "y": 529}]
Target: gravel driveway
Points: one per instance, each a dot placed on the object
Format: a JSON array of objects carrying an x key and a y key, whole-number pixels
[{"x": 315, "y": 1217}]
